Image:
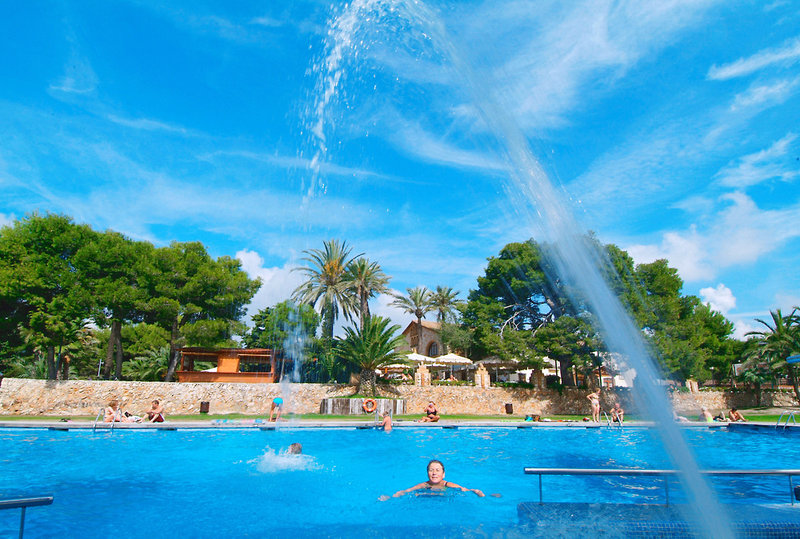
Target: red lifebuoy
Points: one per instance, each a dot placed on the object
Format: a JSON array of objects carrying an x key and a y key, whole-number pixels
[{"x": 369, "y": 405}]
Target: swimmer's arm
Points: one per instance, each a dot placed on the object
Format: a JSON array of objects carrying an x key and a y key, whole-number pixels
[
  {"x": 410, "y": 489},
  {"x": 465, "y": 489}
]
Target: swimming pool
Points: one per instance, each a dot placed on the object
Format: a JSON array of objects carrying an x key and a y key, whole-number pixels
[{"x": 203, "y": 483}]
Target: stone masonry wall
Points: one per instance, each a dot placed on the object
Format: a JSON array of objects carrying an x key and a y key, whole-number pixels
[{"x": 82, "y": 397}]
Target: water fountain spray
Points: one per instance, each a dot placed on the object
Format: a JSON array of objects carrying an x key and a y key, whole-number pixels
[{"x": 545, "y": 209}]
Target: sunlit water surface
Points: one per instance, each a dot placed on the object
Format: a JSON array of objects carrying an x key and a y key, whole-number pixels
[{"x": 240, "y": 483}]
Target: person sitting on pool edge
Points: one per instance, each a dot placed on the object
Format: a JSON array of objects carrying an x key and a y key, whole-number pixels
[
  {"x": 617, "y": 413},
  {"x": 735, "y": 415},
  {"x": 435, "y": 482},
  {"x": 276, "y": 408},
  {"x": 431, "y": 414},
  {"x": 156, "y": 413}
]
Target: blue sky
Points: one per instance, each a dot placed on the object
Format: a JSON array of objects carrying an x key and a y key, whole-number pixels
[{"x": 672, "y": 126}]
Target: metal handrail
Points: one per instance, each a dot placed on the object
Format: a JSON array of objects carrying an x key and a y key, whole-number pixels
[
  {"x": 655, "y": 473},
  {"x": 96, "y": 419},
  {"x": 24, "y": 503},
  {"x": 789, "y": 415}
]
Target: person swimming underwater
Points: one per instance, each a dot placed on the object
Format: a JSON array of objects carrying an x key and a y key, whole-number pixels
[{"x": 435, "y": 482}]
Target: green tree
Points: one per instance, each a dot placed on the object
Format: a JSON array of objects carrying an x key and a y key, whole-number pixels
[
  {"x": 150, "y": 367},
  {"x": 40, "y": 283},
  {"x": 186, "y": 286},
  {"x": 570, "y": 342},
  {"x": 444, "y": 301},
  {"x": 370, "y": 348},
  {"x": 326, "y": 287},
  {"x": 779, "y": 340},
  {"x": 366, "y": 279},
  {"x": 418, "y": 303},
  {"x": 112, "y": 266}
]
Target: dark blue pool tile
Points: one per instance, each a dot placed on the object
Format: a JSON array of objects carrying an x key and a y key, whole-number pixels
[{"x": 651, "y": 521}]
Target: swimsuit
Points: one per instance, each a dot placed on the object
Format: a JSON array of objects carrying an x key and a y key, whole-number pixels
[{"x": 277, "y": 401}]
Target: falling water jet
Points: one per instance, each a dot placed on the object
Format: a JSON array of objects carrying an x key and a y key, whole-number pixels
[{"x": 574, "y": 261}]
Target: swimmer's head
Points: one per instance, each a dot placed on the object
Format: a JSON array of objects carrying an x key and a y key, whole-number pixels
[
  {"x": 295, "y": 449},
  {"x": 385, "y": 414},
  {"x": 435, "y": 471}
]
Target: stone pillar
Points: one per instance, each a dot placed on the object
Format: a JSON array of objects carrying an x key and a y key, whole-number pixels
[
  {"x": 423, "y": 376},
  {"x": 537, "y": 379},
  {"x": 482, "y": 378}
]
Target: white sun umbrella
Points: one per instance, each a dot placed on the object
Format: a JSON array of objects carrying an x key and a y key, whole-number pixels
[
  {"x": 453, "y": 359},
  {"x": 414, "y": 357}
]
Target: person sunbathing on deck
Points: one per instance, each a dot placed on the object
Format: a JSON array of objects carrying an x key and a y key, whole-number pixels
[
  {"x": 431, "y": 414},
  {"x": 113, "y": 414},
  {"x": 435, "y": 483}
]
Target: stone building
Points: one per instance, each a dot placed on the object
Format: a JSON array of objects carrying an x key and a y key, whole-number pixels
[{"x": 428, "y": 341}]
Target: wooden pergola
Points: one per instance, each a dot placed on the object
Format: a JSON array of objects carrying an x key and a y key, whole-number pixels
[{"x": 237, "y": 365}]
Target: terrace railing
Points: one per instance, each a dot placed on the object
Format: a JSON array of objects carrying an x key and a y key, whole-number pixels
[
  {"x": 666, "y": 474},
  {"x": 24, "y": 503}
]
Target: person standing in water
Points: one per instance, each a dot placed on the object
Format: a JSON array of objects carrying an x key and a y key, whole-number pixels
[
  {"x": 435, "y": 482},
  {"x": 386, "y": 422}
]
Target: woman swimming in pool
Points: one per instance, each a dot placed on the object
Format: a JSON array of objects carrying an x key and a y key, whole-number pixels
[{"x": 435, "y": 482}]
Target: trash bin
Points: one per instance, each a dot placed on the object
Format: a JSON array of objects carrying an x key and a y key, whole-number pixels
[
  {"x": 203, "y": 407},
  {"x": 509, "y": 408}
]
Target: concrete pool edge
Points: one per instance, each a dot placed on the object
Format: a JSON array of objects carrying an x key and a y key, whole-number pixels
[{"x": 265, "y": 425}]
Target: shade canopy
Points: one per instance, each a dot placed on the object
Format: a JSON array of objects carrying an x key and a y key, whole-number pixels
[
  {"x": 414, "y": 357},
  {"x": 453, "y": 359}
]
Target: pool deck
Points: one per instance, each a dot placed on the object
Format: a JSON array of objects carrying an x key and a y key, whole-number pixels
[{"x": 263, "y": 424}]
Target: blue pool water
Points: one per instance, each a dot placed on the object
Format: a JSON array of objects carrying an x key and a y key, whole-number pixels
[{"x": 240, "y": 483}]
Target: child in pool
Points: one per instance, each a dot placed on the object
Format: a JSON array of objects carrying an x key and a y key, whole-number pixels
[{"x": 435, "y": 482}]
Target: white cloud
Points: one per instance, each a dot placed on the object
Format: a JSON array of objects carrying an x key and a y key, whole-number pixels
[
  {"x": 720, "y": 299},
  {"x": 146, "y": 124},
  {"x": 277, "y": 284},
  {"x": 764, "y": 95},
  {"x": 687, "y": 252},
  {"x": 787, "y": 301},
  {"x": 739, "y": 233},
  {"x": 382, "y": 307},
  {"x": 757, "y": 167},
  {"x": 7, "y": 219},
  {"x": 785, "y": 55},
  {"x": 742, "y": 327}
]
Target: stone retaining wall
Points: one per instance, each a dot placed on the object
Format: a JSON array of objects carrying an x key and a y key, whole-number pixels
[{"x": 83, "y": 397}]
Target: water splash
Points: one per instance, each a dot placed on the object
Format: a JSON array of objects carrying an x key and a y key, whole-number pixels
[
  {"x": 543, "y": 207},
  {"x": 272, "y": 461}
]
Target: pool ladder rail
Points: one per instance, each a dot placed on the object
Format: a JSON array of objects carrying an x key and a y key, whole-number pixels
[
  {"x": 666, "y": 474},
  {"x": 790, "y": 414},
  {"x": 97, "y": 419},
  {"x": 24, "y": 503}
]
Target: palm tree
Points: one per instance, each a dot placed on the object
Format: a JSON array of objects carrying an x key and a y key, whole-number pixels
[
  {"x": 418, "y": 303},
  {"x": 780, "y": 340},
  {"x": 444, "y": 302},
  {"x": 368, "y": 348},
  {"x": 367, "y": 280},
  {"x": 325, "y": 286}
]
